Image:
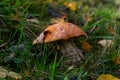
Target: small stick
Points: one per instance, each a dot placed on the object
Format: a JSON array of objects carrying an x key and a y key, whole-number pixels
[{"x": 92, "y": 30}]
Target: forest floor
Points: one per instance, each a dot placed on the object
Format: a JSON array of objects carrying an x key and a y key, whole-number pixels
[{"x": 22, "y": 21}]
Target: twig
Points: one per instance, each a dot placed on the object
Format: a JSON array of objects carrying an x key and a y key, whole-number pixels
[
  {"x": 2, "y": 45},
  {"x": 2, "y": 22},
  {"x": 92, "y": 29}
]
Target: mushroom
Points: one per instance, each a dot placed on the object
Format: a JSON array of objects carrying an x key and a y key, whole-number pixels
[{"x": 63, "y": 31}]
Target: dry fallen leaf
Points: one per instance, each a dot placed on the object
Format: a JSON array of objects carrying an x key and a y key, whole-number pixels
[
  {"x": 14, "y": 75},
  {"x": 105, "y": 43},
  {"x": 88, "y": 18},
  {"x": 3, "y": 72},
  {"x": 85, "y": 46},
  {"x": 111, "y": 30},
  {"x": 34, "y": 20},
  {"x": 62, "y": 30},
  {"x": 116, "y": 59},
  {"x": 107, "y": 77}
]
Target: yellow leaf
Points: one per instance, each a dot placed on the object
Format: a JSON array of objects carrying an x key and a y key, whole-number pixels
[
  {"x": 107, "y": 77},
  {"x": 85, "y": 46},
  {"x": 58, "y": 47},
  {"x": 116, "y": 59},
  {"x": 49, "y": 1},
  {"x": 71, "y": 5}
]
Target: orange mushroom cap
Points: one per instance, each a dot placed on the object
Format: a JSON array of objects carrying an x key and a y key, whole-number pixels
[{"x": 62, "y": 30}]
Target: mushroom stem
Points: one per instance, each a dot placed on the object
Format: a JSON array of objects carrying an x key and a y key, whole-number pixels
[{"x": 71, "y": 53}]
